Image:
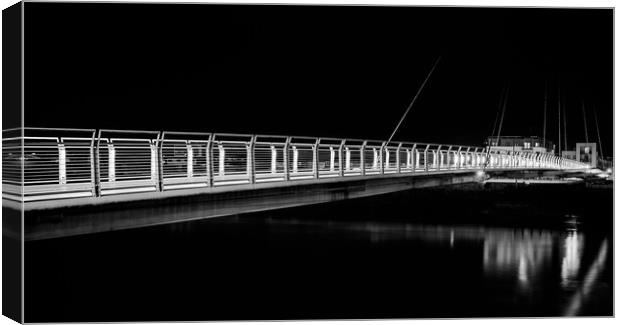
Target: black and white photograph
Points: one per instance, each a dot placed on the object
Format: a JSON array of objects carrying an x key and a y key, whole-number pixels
[{"x": 221, "y": 161}]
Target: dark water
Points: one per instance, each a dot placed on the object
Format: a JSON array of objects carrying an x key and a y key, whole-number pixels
[{"x": 530, "y": 251}]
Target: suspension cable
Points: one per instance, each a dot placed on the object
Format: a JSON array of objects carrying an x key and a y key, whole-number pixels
[
  {"x": 413, "y": 101},
  {"x": 503, "y": 102}
]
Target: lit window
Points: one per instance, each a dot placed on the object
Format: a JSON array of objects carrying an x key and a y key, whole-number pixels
[
  {"x": 526, "y": 145},
  {"x": 536, "y": 144}
]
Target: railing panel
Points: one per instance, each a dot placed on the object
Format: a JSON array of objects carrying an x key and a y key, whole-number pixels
[
  {"x": 127, "y": 161},
  {"x": 352, "y": 160},
  {"x": 184, "y": 160},
  {"x": 12, "y": 170},
  {"x": 57, "y": 163},
  {"x": 301, "y": 161},
  {"x": 329, "y": 160},
  {"x": 372, "y": 159},
  {"x": 269, "y": 162},
  {"x": 390, "y": 153},
  {"x": 230, "y": 163},
  {"x": 405, "y": 160}
]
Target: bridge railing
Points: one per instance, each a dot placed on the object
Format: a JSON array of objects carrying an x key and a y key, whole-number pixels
[
  {"x": 46, "y": 164},
  {"x": 51, "y": 163}
]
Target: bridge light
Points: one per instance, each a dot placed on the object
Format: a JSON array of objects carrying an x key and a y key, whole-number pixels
[{"x": 480, "y": 173}]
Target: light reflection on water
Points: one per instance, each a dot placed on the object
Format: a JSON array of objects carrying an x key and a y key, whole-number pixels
[
  {"x": 571, "y": 259},
  {"x": 519, "y": 253}
]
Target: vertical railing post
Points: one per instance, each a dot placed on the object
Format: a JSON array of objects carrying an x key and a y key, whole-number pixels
[
  {"x": 386, "y": 156},
  {"x": 190, "y": 160},
  {"x": 414, "y": 156},
  {"x": 398, "y": 157},
  {"x": 332, "y": 159},
  {"x": 221, "y": 170},
  {"x": 500, "y": 156},
  {"x": 440, "y": 158},
  {"x": 381, "y": 163},
  {"x": 375, "y": 159},
  {"x": 315, "y": 158},
  {"x": 154, "y": 162},
  {"x": 347, "y": 158},
  {"x": 97, "y": 166},
  {"x": 251, "y": 170},
  {"x": 426, "y": 158},
  {"x": 515, "y": 157},
  {"x": 62, "y": 163},
  {"x": 452, "y": 154},
  {"x": 466, "y": 155},
  {"x": 363, "y": 158},
  {"x": 408, "y": 165},
  {"x": 111, "y": 163},
  {"x": 160, "y": 155},
  {"x": 340, "y": 167},
  {"x": 285, "y": 158},
  {"x": 210, "y": 160},
  {"x": 458, "y": 158},
  {"x": 295, "y": 159},
  {"x": 274, "y": 159},
  {"x": 92, "y": 158},
  {"x": 529, "y": 160}
]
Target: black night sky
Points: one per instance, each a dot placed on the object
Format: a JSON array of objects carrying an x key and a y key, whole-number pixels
[{"x": 317, "y": 71}]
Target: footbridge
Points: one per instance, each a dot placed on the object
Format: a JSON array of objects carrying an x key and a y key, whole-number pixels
[{"x": 74, "y": 181}]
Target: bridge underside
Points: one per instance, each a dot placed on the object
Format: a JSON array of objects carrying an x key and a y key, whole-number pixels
[{"x": 45, "y": 220}]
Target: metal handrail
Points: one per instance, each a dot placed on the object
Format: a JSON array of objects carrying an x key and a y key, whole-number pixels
[{"x": 104, "y": 165}]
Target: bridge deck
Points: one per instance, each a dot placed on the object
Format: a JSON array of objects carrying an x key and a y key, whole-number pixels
[{"x": 55, "y": 168}]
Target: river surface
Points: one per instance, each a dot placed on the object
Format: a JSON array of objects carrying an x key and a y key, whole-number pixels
[{"x": 467, "y": 252}]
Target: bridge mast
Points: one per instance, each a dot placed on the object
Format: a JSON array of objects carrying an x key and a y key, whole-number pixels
[
  {"x": 565, "y": 129},
  {"x": 559, "y": 123},
  {"x": 545, "y": 118},
  {"x": 585, "y": 122}
]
